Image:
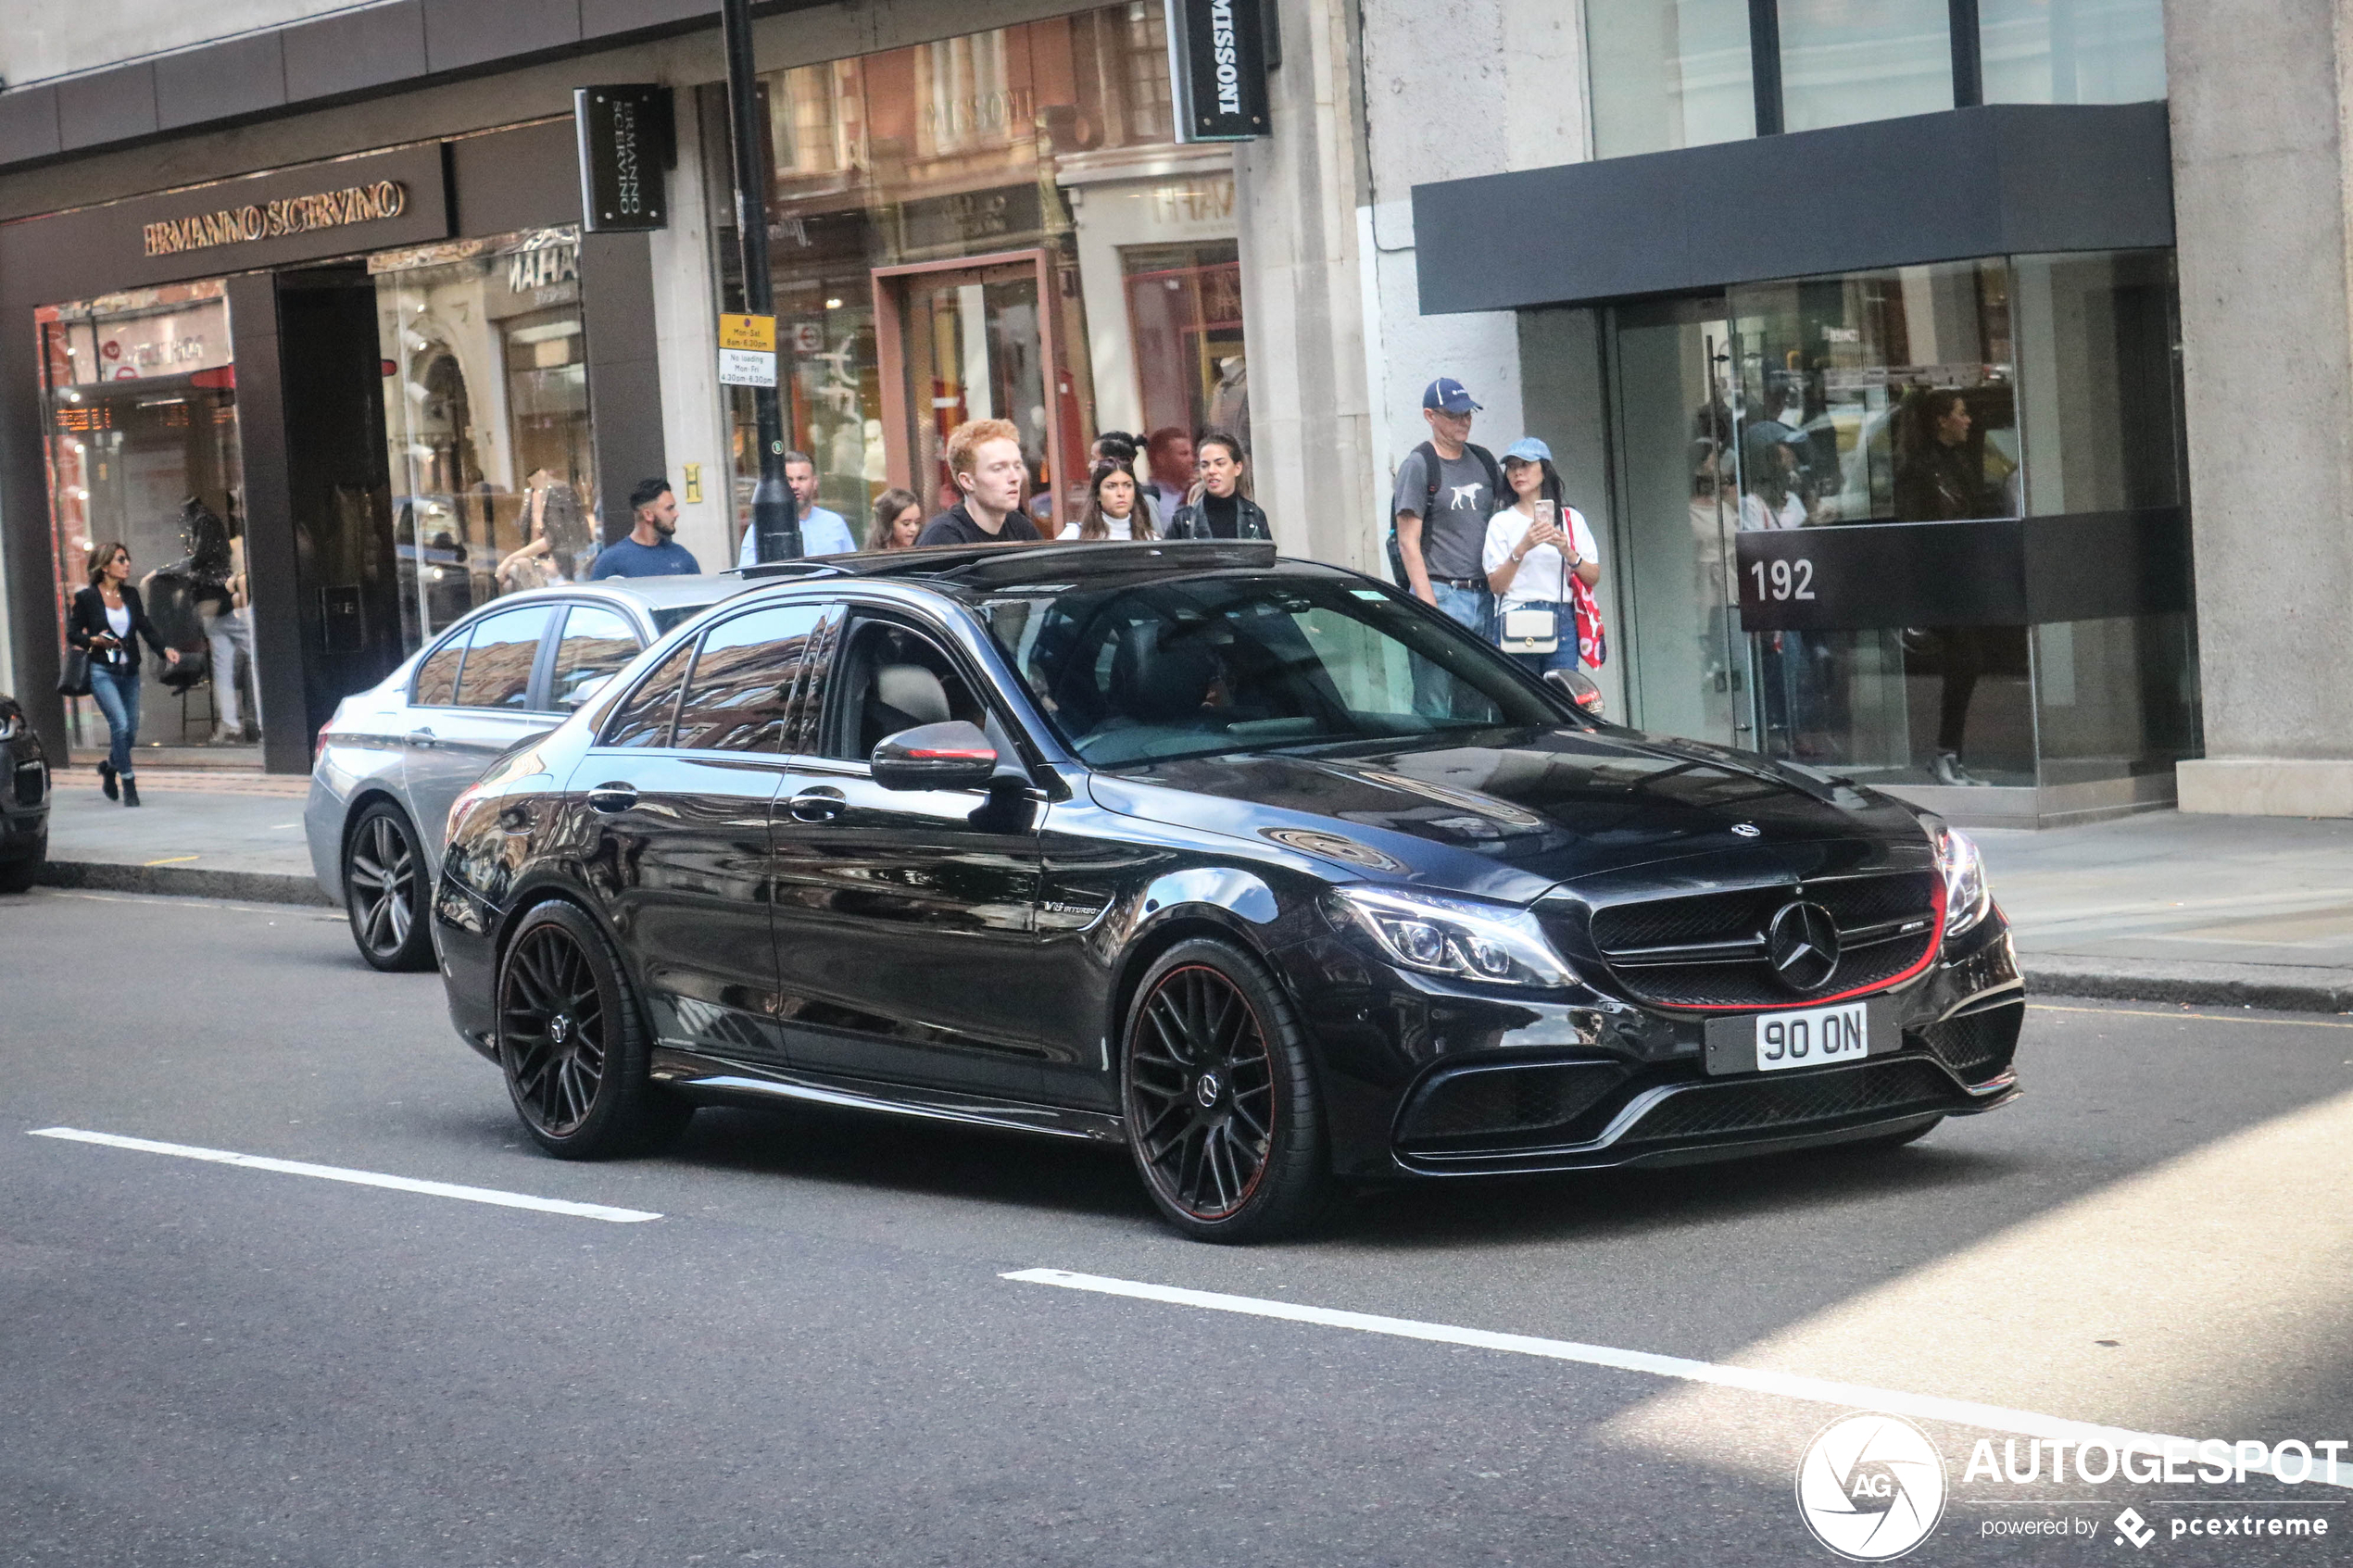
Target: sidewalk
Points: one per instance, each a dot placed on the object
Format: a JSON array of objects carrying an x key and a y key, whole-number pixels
[
  {"x": 197, "y": 833},
  {"x": 2254, "y": 910}
]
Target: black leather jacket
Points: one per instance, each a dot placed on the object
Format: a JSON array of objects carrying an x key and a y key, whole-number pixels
[
  {"x": 87, "y": 618},
  {"x": 1189, "y": 523}
]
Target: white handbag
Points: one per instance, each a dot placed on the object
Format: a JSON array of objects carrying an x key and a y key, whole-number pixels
[{"x": 1535, "y": 631}]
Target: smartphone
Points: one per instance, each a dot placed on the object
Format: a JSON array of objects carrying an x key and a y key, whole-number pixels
[{"x": 1544, "y": 513}]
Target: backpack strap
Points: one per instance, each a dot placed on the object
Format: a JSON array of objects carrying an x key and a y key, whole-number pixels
[{"x": 1428, "y": 454}]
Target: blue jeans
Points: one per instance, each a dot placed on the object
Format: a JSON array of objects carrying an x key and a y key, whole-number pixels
[
  {"x": 1561, "y": 657},
  {"x": 118, "y": 695},
  {"x": 1434, "y": 690},
  {"x": 1470, "y": 607}
]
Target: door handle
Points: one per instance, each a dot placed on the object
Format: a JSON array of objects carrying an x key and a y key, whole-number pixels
[
  {"x": 613, "y": 798},
  {"x": 822, "y": 804},
  {"x": 421, "y": 735}
]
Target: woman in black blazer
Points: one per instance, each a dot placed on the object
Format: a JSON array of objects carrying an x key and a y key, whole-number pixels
[{"x": 107, "y": 619}]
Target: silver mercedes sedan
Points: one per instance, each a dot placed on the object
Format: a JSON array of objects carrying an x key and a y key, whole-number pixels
[{"x": 394, "y": 757}]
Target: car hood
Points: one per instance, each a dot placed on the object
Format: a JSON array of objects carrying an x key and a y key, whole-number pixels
[{"x": 1510, "y": 813}]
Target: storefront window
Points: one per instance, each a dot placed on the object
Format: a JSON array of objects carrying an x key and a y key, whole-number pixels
[
  {"x": 2097, "y": 358},
  {"x": 1960, "y": 395},
  {"x": 2072, "y": 51},
  {"x": 1668, "y": 74},
  {"x": 140, "y": 403},
  {"x": 1881, "y": 396},
  {"x": 486, "y": 421},
  {"x": 1185, "y": 323},
  {"x": 932, "y": 256},
  {"x": 1844, "y": 61}
]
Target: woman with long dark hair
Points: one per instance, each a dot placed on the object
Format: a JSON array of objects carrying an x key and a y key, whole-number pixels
[
  {"x": 1115, "y": 506},
  {"x": 897, "y": 517},
  {"x": 1220, "y": 506},
  {"x": 1533, "y": 547},
  {"x": 109, "y": 622}
]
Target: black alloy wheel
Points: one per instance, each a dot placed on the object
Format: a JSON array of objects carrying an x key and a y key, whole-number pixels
[
  {"x": 572, "y": 1045},
  {"x": 1222, "y": 1117},
  {"x": 385, "y": 878}
]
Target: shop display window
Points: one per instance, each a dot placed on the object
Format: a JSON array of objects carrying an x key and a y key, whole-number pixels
[
  {"x": 1957, "y": 395},
  {"x": 927, "y": 223},
  {"x": 140, "y": 401},
  {"x": 486, "y": 421}
]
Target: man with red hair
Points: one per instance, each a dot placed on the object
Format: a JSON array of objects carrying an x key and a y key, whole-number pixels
[{"x": 984, "y": 457}]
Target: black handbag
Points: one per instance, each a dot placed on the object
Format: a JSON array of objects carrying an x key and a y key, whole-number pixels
[{"x": 73, "y": 679}]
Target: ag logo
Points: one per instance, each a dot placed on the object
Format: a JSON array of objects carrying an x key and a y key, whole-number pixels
[{"x": 1871, "y": 1486}]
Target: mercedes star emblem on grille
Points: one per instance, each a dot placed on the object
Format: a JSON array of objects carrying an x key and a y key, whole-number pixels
[{"x": 1802, "y": 945}]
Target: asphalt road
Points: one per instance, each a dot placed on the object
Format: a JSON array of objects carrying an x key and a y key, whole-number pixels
[{"x": 812, "y": 1355}]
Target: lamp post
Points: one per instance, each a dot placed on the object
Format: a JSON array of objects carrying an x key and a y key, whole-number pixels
[{"x": 775, "y": 516}]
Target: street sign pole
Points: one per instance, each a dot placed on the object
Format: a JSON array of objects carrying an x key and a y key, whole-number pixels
[{"x": 774, "y": 518}]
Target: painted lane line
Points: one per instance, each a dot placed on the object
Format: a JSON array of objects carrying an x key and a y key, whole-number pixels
[
  {"x": 1789, "y": 1386},
  {"x": 357, "y": 1178}
]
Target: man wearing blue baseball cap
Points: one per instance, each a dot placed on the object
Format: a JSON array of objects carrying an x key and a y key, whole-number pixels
[{"x": 1446, "y": 491}]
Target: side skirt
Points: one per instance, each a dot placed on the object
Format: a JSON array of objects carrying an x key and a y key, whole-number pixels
[{"x": 717, "y": 1079}]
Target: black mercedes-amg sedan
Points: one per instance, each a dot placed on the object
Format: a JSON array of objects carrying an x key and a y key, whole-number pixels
[{"x": 1256, "y": 866}]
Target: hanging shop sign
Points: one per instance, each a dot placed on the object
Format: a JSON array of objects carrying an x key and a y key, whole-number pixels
[
  {"x": 1218, "y": 55},
  {"x": 746, "y": 351},
  {"x": 624, "y": 146}
]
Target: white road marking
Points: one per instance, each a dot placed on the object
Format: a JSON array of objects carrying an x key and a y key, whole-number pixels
[
  {"x": 358, "y": 1178},
  {"x": 1923, "y": 1406}
]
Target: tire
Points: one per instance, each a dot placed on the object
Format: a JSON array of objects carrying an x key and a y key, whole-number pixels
[
  {"x": 19, "y": 875},
  {"x": 1224, "y": 1119},
  {"x": 386, "y": 881},
  {"x": 573, "y": 1046}
]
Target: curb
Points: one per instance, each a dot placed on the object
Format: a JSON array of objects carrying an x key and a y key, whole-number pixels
[
  {"x": 184, "y": 882},
  {"x": 2205, "y": 985}
]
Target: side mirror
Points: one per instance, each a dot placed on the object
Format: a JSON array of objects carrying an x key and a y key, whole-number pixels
[
  {"x": 1578, "y": 687},
  {"x": 580, "y": 695},
  {"x": 950, "y": 756}
]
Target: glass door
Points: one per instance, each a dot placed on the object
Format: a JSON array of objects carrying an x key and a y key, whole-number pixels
[
  {"x": 972, "y": 345},
  {"x": 1676, "y": 389}
]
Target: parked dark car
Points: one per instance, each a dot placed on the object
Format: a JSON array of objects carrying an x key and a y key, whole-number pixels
[
  {"x": 1258, "y": 867},
  {"x": 24, "y": 803}
]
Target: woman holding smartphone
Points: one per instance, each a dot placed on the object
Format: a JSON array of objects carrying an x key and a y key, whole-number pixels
[
  {"x": 108, "y": 621},
  {"x": 1532, "y": 546}
]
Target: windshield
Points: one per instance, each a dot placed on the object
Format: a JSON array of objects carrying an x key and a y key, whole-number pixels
[{"x": 1139, "y": 672}]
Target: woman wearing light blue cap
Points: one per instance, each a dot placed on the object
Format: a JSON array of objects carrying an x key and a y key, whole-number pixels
[{"x": 1532, "y": 547}]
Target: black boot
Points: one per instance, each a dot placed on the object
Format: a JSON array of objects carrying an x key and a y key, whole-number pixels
[
  {"x": 106, "y": 776},
  {"x": 129, "y": 790}
]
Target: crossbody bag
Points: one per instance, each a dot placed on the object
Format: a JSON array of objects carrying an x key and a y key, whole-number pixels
[{"x": 1536, "y": 631}]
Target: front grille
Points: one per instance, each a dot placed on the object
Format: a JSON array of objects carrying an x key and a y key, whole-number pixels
[
  {"x": 1864, "y": 908},
  {"x": 1503, "y": 1105},
  {"x": 32, "y": 783},
  {"x": 1980, "y": 1045},
  {"x": 1886, "y": 1088}
]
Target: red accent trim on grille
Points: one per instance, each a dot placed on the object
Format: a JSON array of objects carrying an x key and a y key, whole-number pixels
[{"x": 1935, "y": 940}]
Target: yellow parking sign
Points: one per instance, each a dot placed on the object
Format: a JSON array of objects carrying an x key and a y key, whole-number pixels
[{"x": 755, "y": 334}]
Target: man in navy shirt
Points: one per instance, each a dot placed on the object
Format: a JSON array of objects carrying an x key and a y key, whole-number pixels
[{"x": 652, "y": 548}]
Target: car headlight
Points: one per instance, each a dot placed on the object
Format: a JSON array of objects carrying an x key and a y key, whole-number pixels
[
  {"x": 1494, "y": 943},
  {"x": 1967, "y": 894}
]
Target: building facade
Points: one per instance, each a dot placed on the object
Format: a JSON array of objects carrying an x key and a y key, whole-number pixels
[{"x": 1956, "y": 385}]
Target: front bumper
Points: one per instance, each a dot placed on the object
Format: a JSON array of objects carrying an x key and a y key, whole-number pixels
[{"x": 1422, "y": 1079}]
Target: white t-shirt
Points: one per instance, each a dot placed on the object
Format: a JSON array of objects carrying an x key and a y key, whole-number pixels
[
  {"x": 1541, "y": 577},
  {"x": 1756, "y": 515}
]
